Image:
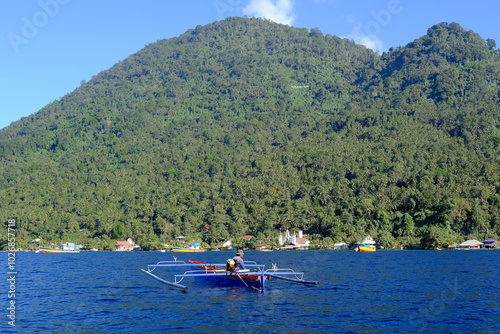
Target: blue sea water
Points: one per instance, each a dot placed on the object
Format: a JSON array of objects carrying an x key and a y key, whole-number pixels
[{"x": 381, "y": 292}]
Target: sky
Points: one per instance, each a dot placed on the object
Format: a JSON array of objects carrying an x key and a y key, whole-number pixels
[{"x": 48, "y": 47}]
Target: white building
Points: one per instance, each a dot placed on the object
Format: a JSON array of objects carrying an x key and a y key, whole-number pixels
[
  {"x": 340, "y": 246},
  {"x": 228, "y": 245},
  {"x": 297, "y": 242},
  {"x": 474, "y": 244}
]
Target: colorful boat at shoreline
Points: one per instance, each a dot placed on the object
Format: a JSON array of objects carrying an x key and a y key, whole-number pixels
[
  {"x": 68, "y": 247},
  {"x": 367, "y": 245},
  {"x": 491, "y": 243},
  {"x": 217, "y": 274},
  {"x": 195, "y": 247}
]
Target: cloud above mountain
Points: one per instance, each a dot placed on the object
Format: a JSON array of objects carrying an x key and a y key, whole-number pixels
[
  {"x": 280, "y": 11},
  {"x": 359, "y": 35}
]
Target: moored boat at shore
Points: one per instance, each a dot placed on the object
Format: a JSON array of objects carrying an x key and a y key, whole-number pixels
[
  {"x": 367, "y": 245},
  {"x": 68, "y": 247},
  {"x": 195, "y": 247},
  {"x": 491, "y": 243}
]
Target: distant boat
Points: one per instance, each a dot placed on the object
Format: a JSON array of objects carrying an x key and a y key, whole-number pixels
[
  {"x": 195, "y": 247},
  {"x": 490, "y": 243},
  {"x": 368, "y": 245},
  {"x": 68, "y": 247}
]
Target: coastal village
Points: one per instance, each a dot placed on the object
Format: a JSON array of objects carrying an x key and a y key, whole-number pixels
[
  {"x": 285, "y": 241},
  {"x": 300, "y": 242}
]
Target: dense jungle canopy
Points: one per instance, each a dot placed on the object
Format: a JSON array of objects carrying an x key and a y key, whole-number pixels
[{"x": 249, "y": 126}]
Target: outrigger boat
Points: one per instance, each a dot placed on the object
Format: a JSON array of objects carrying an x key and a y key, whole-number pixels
[{"x": 216, "y": 273}]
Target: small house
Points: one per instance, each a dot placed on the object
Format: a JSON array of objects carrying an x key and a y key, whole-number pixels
[
  {"x": 340, "y": 246},
  {"x": 263, "y": 247},
  {"x": 123, "y": 246},
  {"x": 205, "y": 229},
  {"x": 471, "y": 244},
  {"x": 228, "y": 245},
  {"x": 128, "y": 245},
  {"x": 300, "y": 242},
  {"x": 490, "y": 243}
]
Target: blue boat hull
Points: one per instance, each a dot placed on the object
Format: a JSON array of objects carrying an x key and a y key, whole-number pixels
[{"x": 229, "y": 281}]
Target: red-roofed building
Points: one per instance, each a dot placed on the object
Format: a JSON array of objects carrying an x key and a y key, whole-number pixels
[
  {"x": 299, "y": 242},
  {"x": 128, "y": 245},
  {"x": 205, "y": 229},
  {"x": 123, "y": 246}
]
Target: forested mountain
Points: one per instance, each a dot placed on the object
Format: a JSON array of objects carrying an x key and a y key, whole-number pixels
[{"x": 249, "y": 126}]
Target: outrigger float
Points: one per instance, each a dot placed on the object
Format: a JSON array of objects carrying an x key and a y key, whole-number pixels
[{"x": 216, "y": 273}]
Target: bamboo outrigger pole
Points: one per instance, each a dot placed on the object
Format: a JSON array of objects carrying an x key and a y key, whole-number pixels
[
  {"x": 176, "y": 285},
  {"x": 293, "y": 279}
]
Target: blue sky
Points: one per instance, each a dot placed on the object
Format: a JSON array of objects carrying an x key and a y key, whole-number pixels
[{"x": 49, "y": 46}]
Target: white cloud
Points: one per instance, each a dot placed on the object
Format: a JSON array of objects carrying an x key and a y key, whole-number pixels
[
  {"x": 280, "y": 11},
  {"x": 359, "y": 36}
]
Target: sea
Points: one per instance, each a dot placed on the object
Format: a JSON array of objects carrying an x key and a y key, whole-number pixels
[{"x": 382, "y": 292}]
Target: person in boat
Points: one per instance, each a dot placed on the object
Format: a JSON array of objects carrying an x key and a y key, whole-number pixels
[{"x": 238, "y": 259}]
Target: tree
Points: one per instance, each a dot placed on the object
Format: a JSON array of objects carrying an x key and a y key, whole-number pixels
[
  {"x": 208, "y": 131},
  {"x": 491, "y": 44},
  {"x": 119, "y": 231},
  {"x": 432, "y": 237},
  {"x": 386, "y": 240},
  {"x": 315, "y": 32},
  {"x": 150, "y": 242}
]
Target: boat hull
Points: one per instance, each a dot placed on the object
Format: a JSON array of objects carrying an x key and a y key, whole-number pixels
[
  {"x": 187, "y": 250},
  {"x": 366, "y": 248},
  {"x": 232, "y": 280},
  {"x": 58, "y": 250}
]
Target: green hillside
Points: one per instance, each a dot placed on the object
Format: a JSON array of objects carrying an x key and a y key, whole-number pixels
[{"x": 249, "y": 126}]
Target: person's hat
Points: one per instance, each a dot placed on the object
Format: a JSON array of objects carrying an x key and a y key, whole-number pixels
[{"x": 240, "y": 252}]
